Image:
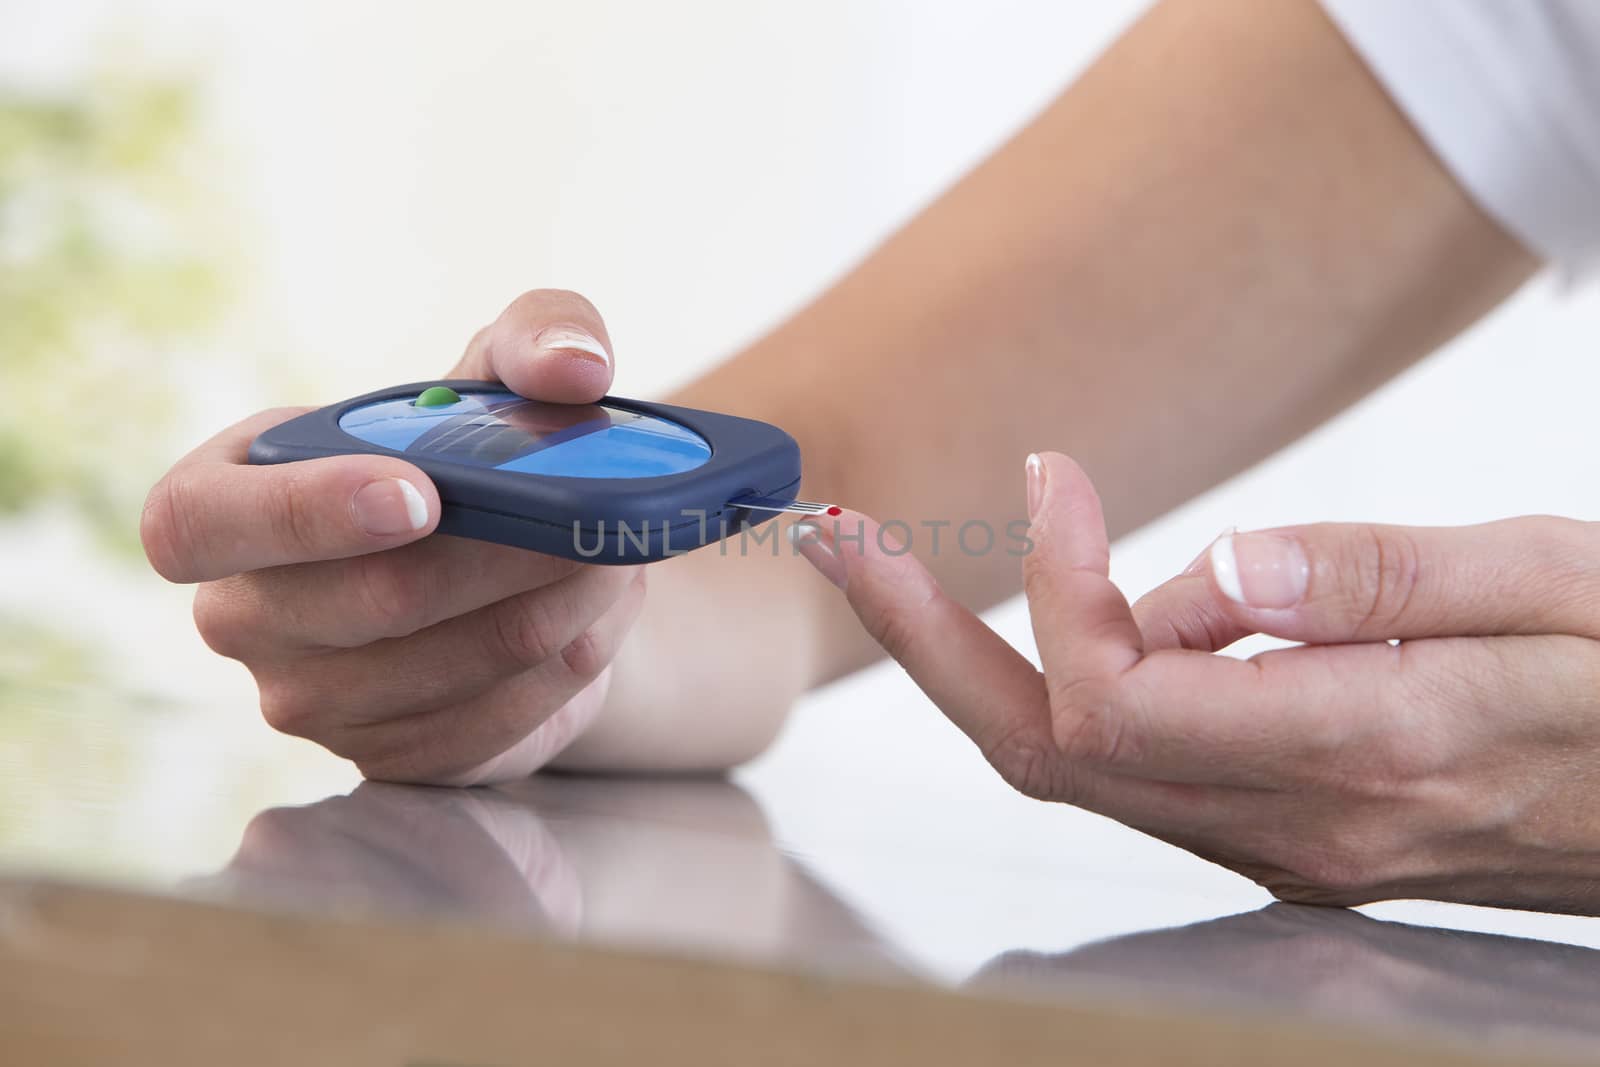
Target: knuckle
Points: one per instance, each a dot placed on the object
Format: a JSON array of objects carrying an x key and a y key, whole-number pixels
[
  {"x": 1087, "y": 721},
  {"x": 1388, "y": 573},
  {"x": 1027, "y": 763},
  {"x": 586, "y": 655},
  {"x": 895, "y": 629},
  {"x": 291, "y": 522},
  {"x": 395, "y": 599},
  {"x": 1559, "y": 540},
  {"x": 287, "y": 710},
  {"x": 1566, "y": 563},
  {"x": 219, "y": 622},
  {"x": 521, "y": 633}
]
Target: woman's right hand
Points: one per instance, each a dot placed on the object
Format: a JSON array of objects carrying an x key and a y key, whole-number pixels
[{"x": 422, "y": 659}]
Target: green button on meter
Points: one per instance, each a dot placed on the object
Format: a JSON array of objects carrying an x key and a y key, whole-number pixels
[{"x": 437, "y": 396}]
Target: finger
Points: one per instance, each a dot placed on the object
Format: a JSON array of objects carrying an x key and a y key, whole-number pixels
[
  {"x": 1337, "y": 582},
  {"x": 412, "y": 845},
  {"x": 453, "y": 745},
  {"x": 980, "y": 682},
  {"x": 1086, "y": 632},
  {"x": 1185, "y": 716},
  {"x": 1167, "y": 714},
  {"x": 549, "y": 344},
  {"x": 1379, "y": 714},
  {"x": 1184, "y": 612},
  {"x": 445, "y": 664},
  {"x": 1172, "y": 715},
  {"x": 353, "y": 602},
  {"x": 213, "y": 515},
  {"x": 985, "y": 686},
  {"x": 547, "y": 740},
  {"x": 1188, "y": 716}
]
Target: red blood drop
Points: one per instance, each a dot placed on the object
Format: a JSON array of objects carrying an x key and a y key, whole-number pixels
[{"x": 836, "y": 510}]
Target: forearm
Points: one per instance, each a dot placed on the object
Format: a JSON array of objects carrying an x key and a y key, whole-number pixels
[{"x": 1221, "y": 235}]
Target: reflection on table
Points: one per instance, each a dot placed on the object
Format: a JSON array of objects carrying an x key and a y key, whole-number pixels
[
  {"x": 690, "y": 865},
  {"x": 686, "y": 864},
  {"x": 1336, "y": 962}
]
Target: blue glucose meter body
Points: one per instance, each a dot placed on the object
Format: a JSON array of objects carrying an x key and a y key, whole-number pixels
[{"x": 619, "y": 481}]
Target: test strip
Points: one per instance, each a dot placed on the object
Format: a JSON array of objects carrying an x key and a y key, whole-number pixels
[{"x": 792, "y": 507}]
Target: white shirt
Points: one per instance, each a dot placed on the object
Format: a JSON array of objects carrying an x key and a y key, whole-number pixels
[{"x": 1507, "y": 93}]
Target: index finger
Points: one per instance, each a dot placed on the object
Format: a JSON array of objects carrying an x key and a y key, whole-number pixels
[
  {"x": 985, "y": 687},
  {"x": 549, "y": 344}
]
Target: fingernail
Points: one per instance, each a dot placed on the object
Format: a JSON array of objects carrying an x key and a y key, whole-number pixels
[
  {"x": 389, "y": 506},
  {"x": 1035, "y": 469},
  {"x": 571, "y": 339},
  {"x": 1197, "y": 564},
  {"x": 814, "y": 544},
  {"x": 1260, "y": 570}
]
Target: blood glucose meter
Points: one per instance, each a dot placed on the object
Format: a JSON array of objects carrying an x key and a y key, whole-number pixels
[{"x": 619, "y": 481}]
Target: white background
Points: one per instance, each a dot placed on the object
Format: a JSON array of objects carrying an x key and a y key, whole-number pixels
[{"x": 697, "y": 169}]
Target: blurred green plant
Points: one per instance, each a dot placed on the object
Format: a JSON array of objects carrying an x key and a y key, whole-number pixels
[
  {"x": 107, "y": 270},
  {"x": 113, "y": 267},
  {"x": 32, "y": 661}
]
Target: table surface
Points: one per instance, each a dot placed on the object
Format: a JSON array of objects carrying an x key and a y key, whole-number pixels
[{"x": 871, "y": 840}]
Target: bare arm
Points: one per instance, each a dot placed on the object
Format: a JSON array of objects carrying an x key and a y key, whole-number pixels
[{"x": 1221, "y": 235}]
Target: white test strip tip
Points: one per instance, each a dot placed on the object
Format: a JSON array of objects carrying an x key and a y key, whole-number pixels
[{"x": 791, "y": 507}]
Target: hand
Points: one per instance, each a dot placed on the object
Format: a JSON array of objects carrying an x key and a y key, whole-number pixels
[
  {"x": 1437, "y": 735},
  {"x": 410, "y": 851},
  {"x": 1339, "y": 965},
  {"x": 423, "y": 659},
  {"x": 603, "y": 859}
]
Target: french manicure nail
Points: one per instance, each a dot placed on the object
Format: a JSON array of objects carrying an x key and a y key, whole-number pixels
[
  {"x": 1035, "y": 479},
  {"x": 1197, "y": 564},
  {"x": 1260, "y": 570},
  {"x": 812, "y": 542},
  {"x": 572, "y": 339},
  {"x": 388, "y": 506}
]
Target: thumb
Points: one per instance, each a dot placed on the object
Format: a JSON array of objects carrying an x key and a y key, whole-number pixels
[
  {"x": 213, "y": 515},
  {"x": 549, "y": 344},
  {"x": 1342, "y": 582}
]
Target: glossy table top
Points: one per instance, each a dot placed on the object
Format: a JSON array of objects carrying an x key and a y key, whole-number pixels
[{"x": 832, "y": 854}]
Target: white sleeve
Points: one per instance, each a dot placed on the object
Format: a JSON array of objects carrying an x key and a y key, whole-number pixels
[{"x": 1507, "y": 93}]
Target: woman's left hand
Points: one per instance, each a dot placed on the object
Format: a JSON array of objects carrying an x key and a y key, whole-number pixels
[{"x": 1436, "y": 735}]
